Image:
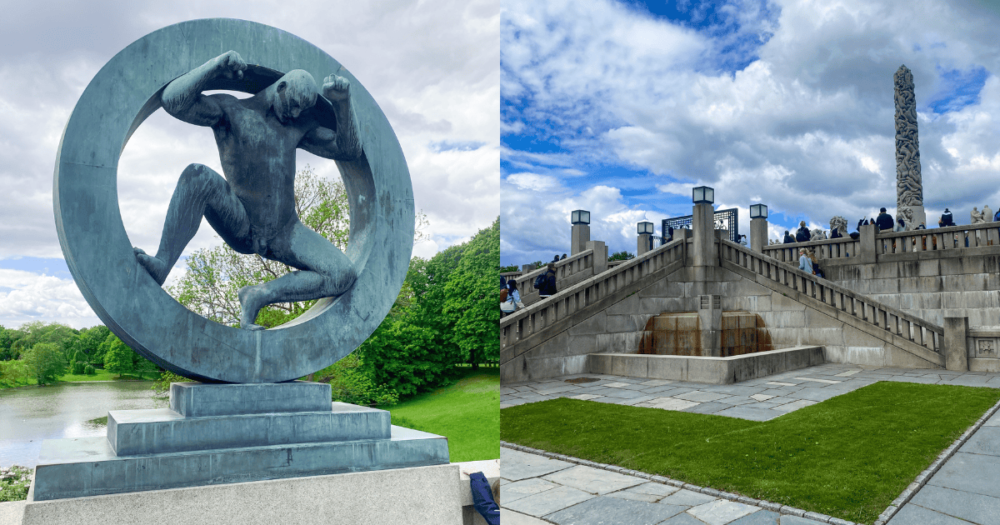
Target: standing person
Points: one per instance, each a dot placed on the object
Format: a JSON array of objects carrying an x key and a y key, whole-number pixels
[
  {"x": 900, "y": 225},
  {"x": 802, "y": 235},
  {"x": 547, "y": 286},
  {"x": 788, "y": 238},
  {"x": 513, "y": 296},
  {"x": 670, "y": 233},
  {"x": 884, "y": 220},
  {"x": 947, "y": 219},
  {"x": 805, "y": 263},
  {"x": 815, "y": 264}
]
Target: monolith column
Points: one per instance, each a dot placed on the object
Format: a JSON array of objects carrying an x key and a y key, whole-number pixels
[{"x": 909, "y": 188}]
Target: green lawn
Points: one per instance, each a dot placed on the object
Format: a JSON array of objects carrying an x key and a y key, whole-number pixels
[
  {"x": 847, "y": 457},
  {"x": 100, "y": 375},
  {"x": 467, "y": 413}
]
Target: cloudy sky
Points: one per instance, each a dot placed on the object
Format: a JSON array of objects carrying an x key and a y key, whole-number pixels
[
  {"x": 432, "y": 66},
  {"x": 621, "y": 108}
]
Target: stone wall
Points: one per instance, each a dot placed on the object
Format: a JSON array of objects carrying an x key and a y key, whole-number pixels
[
  {"x": 929, "y": 285},
  {"x": 789, "y": 317}
]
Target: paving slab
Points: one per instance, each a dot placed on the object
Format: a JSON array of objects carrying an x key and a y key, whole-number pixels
[
  {"x": 515, "y": 490},
  {"x": 708, "y": 408},
  {"x": 750, "y": 412},
  {"x": 687, "y": 498},
  {"x": 986, "y": 441},
  {"x": 760, "y": 517},
  {"x": 914, "y": 515},
  {"x": 516, "y": 465},
  {"x": 509, "y": 517},
  {"x": 592, "y": 480},
  {"x": 794, "y": 405},
  {"x": 681, "y": 519},
  {"x": 721, "y": 512},
  {"x": 797, "y": 520},
  {"x": 974, "y": 473},
  {"x": 614, "y": 511},
  {"x": 701, "y": 396},
  {"x": 669, "y": 403},
  {"x": 975, "y": 508},
  {"x": 547, "y": 502}
]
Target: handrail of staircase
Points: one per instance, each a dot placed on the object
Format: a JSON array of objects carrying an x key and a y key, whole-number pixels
[
  {"x": 536, "y": 317},
  {"x": 897, "y": 322},
  {"x": 564, "y": 268}
]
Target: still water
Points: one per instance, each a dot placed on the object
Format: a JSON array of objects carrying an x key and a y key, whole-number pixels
[{"x": 29, "y": 415}]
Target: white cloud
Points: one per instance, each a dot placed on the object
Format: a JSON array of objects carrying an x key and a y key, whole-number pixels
[
  {"x": 805, "y": 127},
  {"x": 27, "y": 296}
]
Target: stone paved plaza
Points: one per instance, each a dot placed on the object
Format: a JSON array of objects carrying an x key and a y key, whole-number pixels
[
  {"x": 537, "y": 490},
  {"x": 533, "y": 487},
  {"x": 758, "y": 399}
]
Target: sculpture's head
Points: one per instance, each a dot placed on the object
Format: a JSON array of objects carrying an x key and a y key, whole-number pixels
[{"x": 292, "y": 94}]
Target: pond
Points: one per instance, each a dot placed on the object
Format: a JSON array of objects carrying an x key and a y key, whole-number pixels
[{"x": 30, "y": 415}]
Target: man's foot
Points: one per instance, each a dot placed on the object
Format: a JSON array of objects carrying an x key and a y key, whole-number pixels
[
  {"x": 250, "y": 302},
  {"x": 157, "y": 268}
]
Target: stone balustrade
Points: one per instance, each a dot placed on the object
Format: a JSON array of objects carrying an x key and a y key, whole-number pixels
[
  {"x": 567, "y": 302},
  {"x": 825, "y": 249},
  {"x": 949, "y": 238},
  {"x": 566, "y": 269},
  {"x": 891, "y": 320}
]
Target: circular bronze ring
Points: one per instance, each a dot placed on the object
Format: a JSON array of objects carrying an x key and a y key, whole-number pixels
[{"x": 99, "y": 254}]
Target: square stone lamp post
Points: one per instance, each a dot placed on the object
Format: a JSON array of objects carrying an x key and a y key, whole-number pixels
[
  {"x": 758, "y": 227},
  {"x": 581, "y": 231},
  {"x": 645, "y": 243}
]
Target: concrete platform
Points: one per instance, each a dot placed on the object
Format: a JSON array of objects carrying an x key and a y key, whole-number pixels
[
  {"x": 423, "y": 495},
  {"x": 133, "y": 432},
  {"x": 71, "y": 468},
  {"x": 713, "y": 370},
  {"x": 206, "y": 399}
]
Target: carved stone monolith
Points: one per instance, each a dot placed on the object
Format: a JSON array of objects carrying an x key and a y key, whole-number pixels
[{"x": 909, "y": 188}]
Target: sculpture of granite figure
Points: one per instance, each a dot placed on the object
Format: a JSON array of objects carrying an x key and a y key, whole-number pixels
[
  {"x": 907, "y": 215},
  {"x": 839, "y": 224},
  {"x": 987, "y": 213},
  {"x": 909, "y": 188},
  {"x": 817, "y": 235},
  {"x": 253, "y": 207},
  {"x": 976, "y": 216}
]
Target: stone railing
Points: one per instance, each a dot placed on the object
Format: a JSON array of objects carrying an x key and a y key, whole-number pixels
[
  {"x": 886, "y": 318},
  {"x": 950, "y": 238},
  {"x": 566, "y": 268},
  {"x": 537, "y": 317},
  {"x": 826, "y": 249},
  {"x": 511, "y": 275}
]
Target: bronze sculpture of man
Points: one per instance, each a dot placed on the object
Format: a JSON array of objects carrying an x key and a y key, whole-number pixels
[{"x": 253, "y": 207}]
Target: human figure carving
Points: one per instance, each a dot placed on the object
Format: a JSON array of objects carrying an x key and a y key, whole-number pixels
[
  {"x": 253, "y": 207},
  {"x": 977, "y": 216}
]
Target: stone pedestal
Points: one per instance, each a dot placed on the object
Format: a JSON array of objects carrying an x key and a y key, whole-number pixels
[
  {"x": 710, "y": 324},
  {"x": 956, "y": 330},
  {"x": 643, "y": 244},
  {"x": 758, "y": 235},
  {"x": 600, "y": 255},
  {"x": 703, "y": 227},
  {"x": 919, "y": 217},
  {"x": 579, "y": 238},
  {"x": 227, "y": 433}
]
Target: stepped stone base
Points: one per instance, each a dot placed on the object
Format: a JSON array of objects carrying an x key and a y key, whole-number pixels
[
  {"x": 715, "y": 370},
  {"x": 235, "y": 440}
]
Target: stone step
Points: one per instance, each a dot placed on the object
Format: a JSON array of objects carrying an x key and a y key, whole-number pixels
[
  {"x": 71, "y": 468},
  {"x": 205, "y": 399},
  {"x": 155, "y": 431}
]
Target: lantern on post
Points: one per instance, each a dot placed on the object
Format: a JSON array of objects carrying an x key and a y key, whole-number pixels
[
  {"x": 703, "y": 195},
  {"x": 758, "y": 211},
  {"x": 580, "y": 217}
]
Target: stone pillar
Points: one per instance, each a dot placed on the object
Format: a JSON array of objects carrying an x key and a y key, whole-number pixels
[
  {"x": 956, "y": 356},
  {"x": 710, "y": 325},
  {"x": 758, "y": 234},
  {"x": 642, "y": 245},
  {"x": 909, "y": 184},
  {"x": 600, "y": 255},
  {"x": 867, "y": 253},
  {"x": 703, "y": 228},
  {"x": 580, "y": 237}
]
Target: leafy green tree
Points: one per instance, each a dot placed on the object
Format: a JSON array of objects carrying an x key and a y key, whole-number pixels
[
  {"x": 472, "y": 283},
  {"x": 89, "y": 342},
  {"x": 13, "y": 372},
  {"x": 537, "y": 264},
  {"x": 402, "y": 356},
  {"x": 46, "y": 362},
  {"x": 118, "y": 357},
  {"x": 509, "y": 268},
  {"x": 7, "y": 339},
  {"x": 621, "y": 256}
]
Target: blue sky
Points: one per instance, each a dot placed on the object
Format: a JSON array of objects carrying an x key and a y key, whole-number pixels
[
  {"x": 622, "y": 107},
  {"x": 432, "y": 67}
]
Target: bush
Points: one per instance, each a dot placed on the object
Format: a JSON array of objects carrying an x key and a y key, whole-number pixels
[
  {"x": 14, "y": 483},
  {"x": 89, "y": 370},
  {"x": 78, "y": 367},
  {"x": 350, "y": 384},
  {"x": 162, "y": 385}
]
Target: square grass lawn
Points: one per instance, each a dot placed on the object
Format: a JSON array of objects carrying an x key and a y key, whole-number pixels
[{"x": 847, "y": 457}]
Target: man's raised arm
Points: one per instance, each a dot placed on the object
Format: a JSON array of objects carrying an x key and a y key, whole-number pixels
[
  {"x": 345, "y": 143},
  {"x": 183, "y": 99}
]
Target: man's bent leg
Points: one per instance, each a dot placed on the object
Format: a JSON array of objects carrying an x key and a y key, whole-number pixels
[
  {"x": 325, "y": 272},
  {"x": 200, "y": 192}
]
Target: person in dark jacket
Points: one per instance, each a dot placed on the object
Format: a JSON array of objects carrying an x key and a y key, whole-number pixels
[
  {"x": 482, "y": 498},
  {"x": 548, "y": 287},
  {"x": 788, "y": 238},
  {"x": 884, "y": 221},
  {"x": 947, "y": 219},
  {"x": 802, "y": 235}
]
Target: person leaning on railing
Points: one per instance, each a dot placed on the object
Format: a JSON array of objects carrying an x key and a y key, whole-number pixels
[{"x": 548, "y": 282}]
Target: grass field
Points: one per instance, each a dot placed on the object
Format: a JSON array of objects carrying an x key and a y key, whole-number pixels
[
  {"x": 467, "y": 413},
  {"x": 847, "y": 457}
]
